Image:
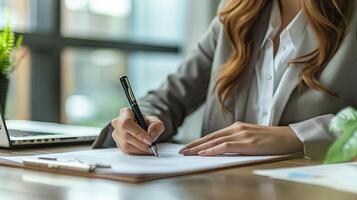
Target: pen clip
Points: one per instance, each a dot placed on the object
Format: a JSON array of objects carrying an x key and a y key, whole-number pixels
[
  {"x": 127, "y": 89},
  {"x": 131, "y": 94},
  {"x": 92, "y": 164}
]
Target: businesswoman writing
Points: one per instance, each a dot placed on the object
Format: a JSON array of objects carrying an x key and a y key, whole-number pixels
[{"x": 271, "y": 75}]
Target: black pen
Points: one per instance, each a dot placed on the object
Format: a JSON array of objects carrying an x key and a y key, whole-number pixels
[{"x": 135, "y": 108}]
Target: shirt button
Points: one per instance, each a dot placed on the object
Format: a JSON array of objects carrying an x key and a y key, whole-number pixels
[
  {"x": 268, "y": 77},
  {"x": 283, "y": 48},
  {"x": 265, "y": 113}
]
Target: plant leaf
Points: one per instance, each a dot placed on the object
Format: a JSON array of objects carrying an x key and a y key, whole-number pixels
[
  {"x": 344, "y": 119},
  {"x": 345, "y": 147},
  {"x": 8, "y": 46},
  {"x": 19, "y": 42}
]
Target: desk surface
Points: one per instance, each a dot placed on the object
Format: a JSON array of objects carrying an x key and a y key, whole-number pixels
[{"x": 233, "y": 183}]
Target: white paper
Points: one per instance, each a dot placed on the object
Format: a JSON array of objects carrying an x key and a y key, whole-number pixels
[
  {"x": 168, "y": 162},
  {"x": 337, "y": 176}
]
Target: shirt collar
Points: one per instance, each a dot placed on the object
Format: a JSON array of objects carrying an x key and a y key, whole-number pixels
[{"x": 295, "y": 29}]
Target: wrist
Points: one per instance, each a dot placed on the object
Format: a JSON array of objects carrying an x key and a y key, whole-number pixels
[{"x": 292, "y": 139}]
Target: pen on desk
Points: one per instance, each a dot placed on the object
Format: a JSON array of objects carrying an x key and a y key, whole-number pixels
[
  {"x": 135, "y": 108},
  {"x": 100, "y": 165}
]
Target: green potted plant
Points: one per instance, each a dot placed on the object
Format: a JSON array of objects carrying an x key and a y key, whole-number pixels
[
  {"x": 345, "y": 147},
  {"x": 8, "y": 47}
]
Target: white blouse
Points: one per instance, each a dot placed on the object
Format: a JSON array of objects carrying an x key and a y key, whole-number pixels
[{"x": 270, "y": 69}]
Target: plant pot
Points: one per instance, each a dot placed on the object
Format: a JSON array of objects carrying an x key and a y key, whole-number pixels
[{"x": 4, "y": 85}]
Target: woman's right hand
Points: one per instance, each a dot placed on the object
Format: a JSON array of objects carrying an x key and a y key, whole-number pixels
[{"x": 130, "y": 137}]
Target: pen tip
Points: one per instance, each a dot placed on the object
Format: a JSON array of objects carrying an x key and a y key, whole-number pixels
[
  {"x": 156, "y": 153},
  {"x": 154, "y": 150}
]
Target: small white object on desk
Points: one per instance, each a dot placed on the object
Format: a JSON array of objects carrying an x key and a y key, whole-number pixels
[
  {"x": 63, "y": 164},
  {"x": 337, "y": 176}
]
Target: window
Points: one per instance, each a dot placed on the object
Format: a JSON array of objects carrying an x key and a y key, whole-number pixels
[
  {"x": 91, "y": 92},
  {"x": 139, "y": 20},
  {"x": 17, "y": 103},
  {"x": 78, "y": 49},
  {"x": 19, "y": 13}
]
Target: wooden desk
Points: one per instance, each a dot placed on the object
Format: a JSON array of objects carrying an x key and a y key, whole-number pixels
[{"x": 234, "y": 183}]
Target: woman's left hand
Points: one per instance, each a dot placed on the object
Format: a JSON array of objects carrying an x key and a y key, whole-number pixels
[{"x": 247, "y": 139}]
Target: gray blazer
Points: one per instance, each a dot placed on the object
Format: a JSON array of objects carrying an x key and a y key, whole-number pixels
[{"x": 308, "y": 113}]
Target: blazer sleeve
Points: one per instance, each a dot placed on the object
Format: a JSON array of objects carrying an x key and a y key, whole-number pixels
[
  {"x": 314, "y": 135},
  {"x": 181, "y": 93},
  {"x": 184, "y": 91}
]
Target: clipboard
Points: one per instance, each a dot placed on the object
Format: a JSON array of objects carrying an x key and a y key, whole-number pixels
[
  {"x": 129, "y": 178},
  {"x": 139, "y": 177}
]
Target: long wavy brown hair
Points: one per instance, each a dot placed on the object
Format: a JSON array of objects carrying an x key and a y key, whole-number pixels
[{"x": 328, "y": 19}]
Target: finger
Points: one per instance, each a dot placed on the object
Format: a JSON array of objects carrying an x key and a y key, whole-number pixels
[
  {"x": 132, "y": 150},
  {"x": 127, "y": 113},
  {"x": 219, "y": 149},
  {"x": 116, "y": 139},
  {"x": 155, "y": 127},
  {"x": 207, "y": 145},
  {"x": 128, "y": 137},
  {"x": 125, "y": 116},
  {"x": 217, "y": 134},
  {"x": 128, "y": 147},
  {"x": 129, "y": 123},
  {"x": 136, "y": 143},
  {"x": 226, "y": 147},
  {"x": 135, "y": 130},
  {"x": 126, "y": 123}
]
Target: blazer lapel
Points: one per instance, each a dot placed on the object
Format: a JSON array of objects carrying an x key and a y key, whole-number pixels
[
  {"x": 242, "y": 92},
  {"x": 290, "y": 79}
]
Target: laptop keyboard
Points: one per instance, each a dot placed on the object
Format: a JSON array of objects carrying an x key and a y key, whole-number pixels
[{"x": 17, "y": 133}]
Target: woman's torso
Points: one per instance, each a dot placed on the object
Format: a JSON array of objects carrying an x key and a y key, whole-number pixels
[{"x": 288, "y": 104}]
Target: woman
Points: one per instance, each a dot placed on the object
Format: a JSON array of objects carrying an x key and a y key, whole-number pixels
[{"x": 271, "y": 74}]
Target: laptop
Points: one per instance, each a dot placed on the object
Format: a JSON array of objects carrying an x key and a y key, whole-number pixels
[{"x": 21, "y": 133}]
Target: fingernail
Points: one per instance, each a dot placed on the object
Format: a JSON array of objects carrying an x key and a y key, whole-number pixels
[
  {"x": 146, "y": 141},
  {"x": 184, "y": 151}
]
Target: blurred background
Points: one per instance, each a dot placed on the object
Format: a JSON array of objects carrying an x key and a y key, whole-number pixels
[{"x": 75, "y": 51}]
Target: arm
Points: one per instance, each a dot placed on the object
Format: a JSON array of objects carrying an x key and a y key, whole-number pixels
[
  {"x": 180, "y": 95},
  {"x": 186, "y": 90},
  {"x": 311, "y": 136}
]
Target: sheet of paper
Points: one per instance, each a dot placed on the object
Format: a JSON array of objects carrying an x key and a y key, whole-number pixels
[
  {"x": 337, "y": 176},
  {"x": 168, "y": 162}
]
